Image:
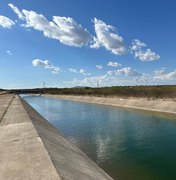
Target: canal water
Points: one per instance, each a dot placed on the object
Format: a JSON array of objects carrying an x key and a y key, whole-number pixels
[{"x": 127, "y": 144}]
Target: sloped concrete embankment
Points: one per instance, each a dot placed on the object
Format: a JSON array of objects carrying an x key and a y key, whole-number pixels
[
  {"x": 31, "y": 148},
  {"x": 158, "y": 105}
]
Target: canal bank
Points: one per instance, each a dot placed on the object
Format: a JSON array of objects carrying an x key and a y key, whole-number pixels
[
  {"x": 31, "y": 148},
  {"x": 157, "y": 105}
]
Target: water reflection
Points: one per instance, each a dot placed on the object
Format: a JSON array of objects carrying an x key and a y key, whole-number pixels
[{"x": 129, "y": 145}]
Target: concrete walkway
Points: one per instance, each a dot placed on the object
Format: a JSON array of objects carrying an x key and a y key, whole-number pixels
[{"x": 32, "y": 149}]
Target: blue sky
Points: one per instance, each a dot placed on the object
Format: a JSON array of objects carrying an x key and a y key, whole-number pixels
[{"x": 79, "y": 43}]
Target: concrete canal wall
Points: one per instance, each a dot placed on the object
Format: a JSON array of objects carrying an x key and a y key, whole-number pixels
[
  {"x": 32, "y": 149},
  {"x": 160, "y": 105}
]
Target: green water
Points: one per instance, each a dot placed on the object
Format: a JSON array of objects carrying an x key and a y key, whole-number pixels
[{"x": 127, "y": 144}]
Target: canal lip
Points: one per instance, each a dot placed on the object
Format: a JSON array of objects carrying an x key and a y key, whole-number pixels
[{"x": 150, "y": 105}]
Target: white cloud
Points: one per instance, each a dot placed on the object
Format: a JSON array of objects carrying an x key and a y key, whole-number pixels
[
  {"x": 81, "y": 71},
  {"x": 131, "y": 77},
  {"x": 127, "y": 71},
  {"x": 162, "y": 74},
  {"x": 64, "y": 29},
  {"x": 101, "y": 81},
  {"x": 38, "y": 62},
  {"x": 17, "y": 11},
  {"x": 72, "y": 70},
  {"x": 9, "y": 52},
  {"x": 110, "y": 73},
  {"x": 6, "y": 22},
  {"x": 144, "y": 79},
  {"x": 106, "y": 36},
  {"x": 99, "y": 66},
  {"x": 47, "y": 65},
  {"x": 88, "y": 81},
  {"x": 73, "y": 34},
  {"x": 113, "y": 64},
  {"x": 147, "y": 55},
  {"x": 137, "y": 45},
  {"x": 143, "y": 55}
]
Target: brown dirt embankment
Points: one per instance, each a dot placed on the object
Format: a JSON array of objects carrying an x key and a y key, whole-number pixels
[{"x": 160, "y": 105}]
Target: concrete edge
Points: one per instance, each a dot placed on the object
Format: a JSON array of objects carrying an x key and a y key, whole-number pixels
[
  {"x": 28, "y": 111},
  {"x": 24, "y": 103},
  {"x": 4, "y": 113},
  {"x": 77, "y": 99}
]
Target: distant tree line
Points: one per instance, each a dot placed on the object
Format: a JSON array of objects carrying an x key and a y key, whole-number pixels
[{"x": 165, "y": 91}]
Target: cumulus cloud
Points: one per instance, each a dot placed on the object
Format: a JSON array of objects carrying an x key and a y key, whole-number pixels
[
  {"x": 113, "y": 64},
  {"x": 137, "y": 45},
  {"x": 110, "y": 73},
  {"x": 64, "y": 29},
  {"x": 147, "y": 55},
  {"x": 131, "y": 77},
  {"x": 17, "y": 11},
  {"x": 9, "y": 52},
  {"x": 101, "y": 81},
  {"x": 143, "y": 55},
  {"x": 99, "y": 66},
  {"x": 127, "y": 71},
  {"x": 81, "y": 71},
  {"x": 72, "y": 33},
  {"x": 47, "y": 65},
  {"x": 67, "y": 31},
  {"x": 143, "y": 79},
  {"x": 162, "y": 74},
  {"x": 72, "y": 70},
  {"x": 106, "y": 36},
  {"x": 87, "y": 81},
  {"x": 6, "y": 22}
]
